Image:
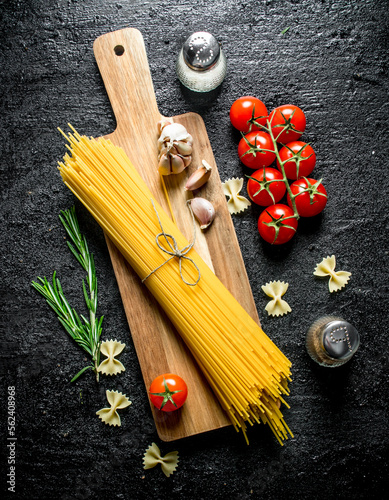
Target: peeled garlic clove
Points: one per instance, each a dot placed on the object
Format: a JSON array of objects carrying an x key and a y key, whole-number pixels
[
  {"x": 203, "y": 210},
  {"x": 199, "y": 177}
]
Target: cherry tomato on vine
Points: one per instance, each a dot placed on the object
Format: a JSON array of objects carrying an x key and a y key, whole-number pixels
[
  {"x": 300, "y": 159},
  {"x": 256, "y": 150},
  {"x": 168, "y": 392},
  {"x": 287, "y": 123},
  {"x": 311, "y": 196},
  {"x": 266, "y": 186},
  {"x": 277, "y": 224},
  {"x": 246, "y": 111}
]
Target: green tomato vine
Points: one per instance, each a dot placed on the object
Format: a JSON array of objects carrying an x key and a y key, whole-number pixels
[{"x": 312, "y": 190}]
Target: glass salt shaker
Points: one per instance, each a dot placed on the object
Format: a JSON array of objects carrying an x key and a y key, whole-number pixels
[
  {"x": 201, "y": 65},
  {"x": 332, "y": 341}
]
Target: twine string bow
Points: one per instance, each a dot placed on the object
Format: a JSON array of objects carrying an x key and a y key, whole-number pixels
[{"x": 174, "y": 250}]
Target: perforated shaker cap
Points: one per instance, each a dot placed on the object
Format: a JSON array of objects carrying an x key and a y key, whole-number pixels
[
  {"x": 201, "y": 51},
  {"x": 340, "y": 339}
]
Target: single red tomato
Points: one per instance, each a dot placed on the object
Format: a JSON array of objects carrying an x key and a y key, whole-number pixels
[
  {"x": 310, "y": 196},
  {"x": 256, "y": 150},
  {"x": 266, "y": 186},
  {"x": 168, "y": 392},
  {"x": 246, "y": 112},
  {"x": 277, "y": 224},
  {"x": 300, "y": 159},
  {"x": 287, "y": 123}
]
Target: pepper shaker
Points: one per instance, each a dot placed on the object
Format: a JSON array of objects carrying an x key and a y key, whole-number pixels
[
  {"x": 201, "y": 65},
  {"x": 332, "y": 341}
]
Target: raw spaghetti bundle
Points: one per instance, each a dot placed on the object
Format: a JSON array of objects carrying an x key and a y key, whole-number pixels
[{"x": 245, "y": 369}]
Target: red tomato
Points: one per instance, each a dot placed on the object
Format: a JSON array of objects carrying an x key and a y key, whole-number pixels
[
  {"x": 300, "y": 159},
  {"x": 168, "y": 392},
  {"x": 311, "y": 197},
  {"x": 277, "y": 224},
  {"x": 266, "y": 187},
  {"x": 256, "y": 150},
  {"x": 246, "y": 111},
  {"x": 287, "y": 123}
]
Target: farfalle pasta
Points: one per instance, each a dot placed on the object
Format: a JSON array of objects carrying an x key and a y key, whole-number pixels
[
  {"x": 275, "y": 290},
  {"x": 338, "y": 279},
  {"x": 110, "y": 365},
  {"x": 236, "y": 202},
  {"x": 118, "y": 401},
  {"x": 153, "y": 457}
]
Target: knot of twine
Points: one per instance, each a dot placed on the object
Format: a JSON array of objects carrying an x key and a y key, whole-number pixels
[{"x": 174, "y": 250}]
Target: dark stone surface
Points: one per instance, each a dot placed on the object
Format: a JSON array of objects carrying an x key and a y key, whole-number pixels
[{"x": 332, "y": 62}]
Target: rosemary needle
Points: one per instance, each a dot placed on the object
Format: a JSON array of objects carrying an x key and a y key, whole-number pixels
[{"x": 85, "y": 332}]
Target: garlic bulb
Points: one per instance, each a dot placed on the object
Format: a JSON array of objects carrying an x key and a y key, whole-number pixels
[
  {"x": 174, "y": 146},
  {"x": 199, "y": 177},
  {"x": 203, "y": 210}
]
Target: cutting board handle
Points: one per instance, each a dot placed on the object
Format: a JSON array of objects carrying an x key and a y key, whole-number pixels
[{"x": 122, "y": 61}]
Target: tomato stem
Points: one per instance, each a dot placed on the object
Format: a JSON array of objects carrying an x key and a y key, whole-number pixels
[
  {"x": 276, "y": 224},
  {"x": 254, "y": 148},
  {"x": 281, "y": 164},
  {"x": 311, "y": 190},
  {"x": 167, "y": 395},
  {"x": 264, "y": 185},
  {"x": 253, "y": 120}
]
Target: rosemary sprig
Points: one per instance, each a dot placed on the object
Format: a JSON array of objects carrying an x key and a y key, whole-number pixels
[{"x": 85, "y": 332}]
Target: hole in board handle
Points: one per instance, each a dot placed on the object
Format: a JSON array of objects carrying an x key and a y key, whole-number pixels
[{"x": 119, "y": 50}]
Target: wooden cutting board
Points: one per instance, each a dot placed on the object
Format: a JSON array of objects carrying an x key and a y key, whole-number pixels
[{"x": 123, "y": 64}]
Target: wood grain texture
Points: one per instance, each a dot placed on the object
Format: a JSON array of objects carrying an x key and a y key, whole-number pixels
[{"x": 159, "y": 348}]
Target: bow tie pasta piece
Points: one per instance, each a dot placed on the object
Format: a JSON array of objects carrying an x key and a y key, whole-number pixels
[
  {"x": 153, "y": 457},
  {"x": 118, "y": 401},
  {"x": 338, "y": 279},
  {"x": 236, "y": 203},
  {"x": 275, "y": 290},
  {"x": 111, "y": 366}
]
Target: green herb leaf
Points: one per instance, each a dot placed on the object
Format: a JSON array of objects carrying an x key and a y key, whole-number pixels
[
  {"x": 81, "y": 372},
  {"x": 85, "y": 333}
]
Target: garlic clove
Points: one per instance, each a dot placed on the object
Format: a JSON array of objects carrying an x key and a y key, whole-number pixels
[
  {"x": 184, "y": 148},
  {"x": 203, "y": 210},
  {"x": 206, "y": 165},
  {"x": 164, "y": 165},
  {"x": 172, "y": 149},
  {"x": 168, "y": 149},
  {"x": 177, "y": 164},
  {"x": 162, "y": 124},
  {"x": 199, "y": 177},
  {"x": 187, "y": 160}
]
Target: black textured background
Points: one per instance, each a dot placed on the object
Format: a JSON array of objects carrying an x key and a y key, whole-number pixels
[{"x": 332, "y": 62}]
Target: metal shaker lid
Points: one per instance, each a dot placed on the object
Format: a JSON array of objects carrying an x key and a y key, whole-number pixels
[
  {"x": 201, "y": 51},
  {"x": 340, "y": 339}
]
